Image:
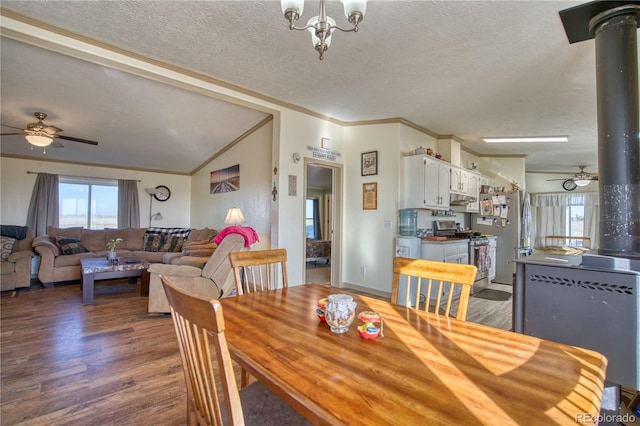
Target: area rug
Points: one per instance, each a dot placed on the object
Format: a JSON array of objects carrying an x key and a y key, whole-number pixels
[{"x": 491, "y": 294}]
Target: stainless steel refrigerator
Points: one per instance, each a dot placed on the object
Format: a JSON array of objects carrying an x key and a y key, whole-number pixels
[{"x": 501, "y": 215}]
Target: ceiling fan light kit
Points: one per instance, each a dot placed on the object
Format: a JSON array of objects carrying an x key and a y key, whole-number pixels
[
  {"x": 322, "y": 26},
  {"x": 581, "y": 178},
  {"x": 42, "y": 135},
  {"x": 39, "y": 139}
]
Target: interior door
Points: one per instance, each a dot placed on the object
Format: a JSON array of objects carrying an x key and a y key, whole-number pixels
[{"x": 322, "y": 181}]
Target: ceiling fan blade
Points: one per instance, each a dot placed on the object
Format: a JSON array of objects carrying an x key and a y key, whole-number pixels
[
  {"x": 52, "y": 130},
  {"x": 10, "y": 134},
  {"x": 56, "y": 144},
  {"x": 69, "y": 138},
  {"x": 13, "y": 127},
  {"x": 560, "y": 179}
]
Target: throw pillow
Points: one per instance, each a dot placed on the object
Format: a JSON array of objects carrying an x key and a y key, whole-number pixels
[
  {"x": 70, "y": 245},
  {"x": 172, "y": 243},
  {"x": 6, "y": 247},
  {"x": 151, "y": 242}
]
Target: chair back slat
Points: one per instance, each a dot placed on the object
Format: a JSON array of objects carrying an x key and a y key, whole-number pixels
[
  {"x": 259, "y": 270},
  {"x": 199, "y": 326},
  {"x": 443, "y": 278}
]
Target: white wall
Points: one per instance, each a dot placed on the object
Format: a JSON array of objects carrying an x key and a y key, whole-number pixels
[
  {"x": 17, "y": 186},
  {"x": 503, "y": 170},
  {"x": 538, "y": 183},
  {"x": 253, "y": 154}
]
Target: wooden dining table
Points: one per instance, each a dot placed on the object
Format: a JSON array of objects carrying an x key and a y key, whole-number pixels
[{"x": 427, "y": 369}]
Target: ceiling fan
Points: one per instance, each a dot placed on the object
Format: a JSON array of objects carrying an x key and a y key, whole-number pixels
[
  {"x": 43, "y": 135},
  {"x": 581, "y": 178}
]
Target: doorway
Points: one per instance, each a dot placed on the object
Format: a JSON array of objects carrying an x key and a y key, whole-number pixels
[{"x": 321, "y": 222}]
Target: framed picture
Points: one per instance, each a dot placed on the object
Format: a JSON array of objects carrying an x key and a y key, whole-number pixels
[
  {"x": 225, "y": 180},
  {"x": 369, "y": 163},
  {"x": 370, "y": 196}
]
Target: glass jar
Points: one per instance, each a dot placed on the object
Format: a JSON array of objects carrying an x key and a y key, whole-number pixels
[{"x": 340, "y": 312}]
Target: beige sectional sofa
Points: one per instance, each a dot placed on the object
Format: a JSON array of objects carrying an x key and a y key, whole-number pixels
[
  {"x": 15, "y": 269},
  {"x": 61, "y": 250}
]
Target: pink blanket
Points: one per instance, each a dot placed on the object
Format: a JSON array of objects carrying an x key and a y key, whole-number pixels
[{"x": 248, "y": 233}]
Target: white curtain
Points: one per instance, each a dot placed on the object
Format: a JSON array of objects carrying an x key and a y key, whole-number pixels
[{"x": 550, "y": 215}]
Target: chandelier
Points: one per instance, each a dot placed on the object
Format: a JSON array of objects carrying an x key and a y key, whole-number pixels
[{"x": 322, "y": 26}]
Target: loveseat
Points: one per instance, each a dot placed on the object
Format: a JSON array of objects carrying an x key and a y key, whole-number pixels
[
  {"x": 62, "y": 248},
  {"x": 15, "y": 259}
]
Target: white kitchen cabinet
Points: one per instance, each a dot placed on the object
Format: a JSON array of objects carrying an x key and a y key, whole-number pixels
[
  {"x": 474, "y": 191},
  {"x": 426, "y": 183},
  {"x": 450, "y": 251},
  {"x": 459, "y": 181}
]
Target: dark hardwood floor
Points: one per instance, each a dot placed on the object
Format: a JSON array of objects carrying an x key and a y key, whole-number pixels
[
  {"x": 110, "y": 363},
  {"x": 101, "y": 364}
]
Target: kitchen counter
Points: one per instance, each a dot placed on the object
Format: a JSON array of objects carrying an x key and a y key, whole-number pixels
[{"x": 442, "y": 240}]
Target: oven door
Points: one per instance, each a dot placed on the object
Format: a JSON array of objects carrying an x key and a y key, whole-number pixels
[{"x": 479, "y": 256}]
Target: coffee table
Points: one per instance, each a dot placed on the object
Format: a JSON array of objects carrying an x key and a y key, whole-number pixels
[{"x": 96, "y": 269}]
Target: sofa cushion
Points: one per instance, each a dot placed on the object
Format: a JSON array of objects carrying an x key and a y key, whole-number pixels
[
  {"x": 151, "y": 242},
  {"x": 93, "y": 240},
  {"x": 75, "y": 232},
  {"x": 6, "y": 247},
  {"x": 115, "y": 233},
  {"x": 134, "y": 238},
  {"x": 172, "y": 243},
  {"x": 70, "y": 245},
  {"x": 204, "y": 234}
]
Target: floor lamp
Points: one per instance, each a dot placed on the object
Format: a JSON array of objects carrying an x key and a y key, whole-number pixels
[{"x": 152, "y": 192}]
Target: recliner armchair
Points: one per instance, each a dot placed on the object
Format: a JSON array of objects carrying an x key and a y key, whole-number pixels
[
  {"x": 15, "y": 272},
  {"x": 214, "y": 280}
]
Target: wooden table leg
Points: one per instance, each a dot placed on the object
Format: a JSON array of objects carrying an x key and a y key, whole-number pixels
[
  {"x": 87, "y": 288},
  {"x": 144, "y": 282}
]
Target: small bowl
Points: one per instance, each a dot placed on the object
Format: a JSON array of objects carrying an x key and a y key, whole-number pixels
[
  {"x": 368, "y": 331},
  {"x": 370, "y": 316}
]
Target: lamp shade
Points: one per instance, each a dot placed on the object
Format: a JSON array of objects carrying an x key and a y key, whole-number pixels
[
  {"x": 234, "y": 216},
  {"x": 296, "y": 5},
  {"x": 582, "y": 182},
  {"x": 354, "y": 6},
  {"x": 39, "y": 140}
]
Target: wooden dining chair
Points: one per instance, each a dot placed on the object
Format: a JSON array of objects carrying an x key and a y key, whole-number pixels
[
  {"x": 258, "y": 270},
  {"x": 429, "y": 279},
  {"x": 212, "y": 393}
]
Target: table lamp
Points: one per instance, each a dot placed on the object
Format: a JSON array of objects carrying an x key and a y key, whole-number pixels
[{"x": 234, "y": 216}]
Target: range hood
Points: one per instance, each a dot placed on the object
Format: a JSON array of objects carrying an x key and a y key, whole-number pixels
[{"x": 461, "y": 200}]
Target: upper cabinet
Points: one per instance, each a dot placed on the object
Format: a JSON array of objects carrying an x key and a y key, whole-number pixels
[
  {"x": 459, "y": 182},
  {"x": 426, "y": 183},
  {"x": 473, "y": 190}
]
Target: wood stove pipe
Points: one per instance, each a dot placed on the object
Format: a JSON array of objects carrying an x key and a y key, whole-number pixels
[{"x": 614, "y": 26}]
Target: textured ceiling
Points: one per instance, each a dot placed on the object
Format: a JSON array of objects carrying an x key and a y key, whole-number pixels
[{"x": 469, "y": 69}]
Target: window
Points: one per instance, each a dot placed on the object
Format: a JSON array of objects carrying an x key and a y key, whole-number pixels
[
  {"x": 575, "y": 220},
  {"x": 310, "y": 220},
  {"x": 90, "y": 203}
]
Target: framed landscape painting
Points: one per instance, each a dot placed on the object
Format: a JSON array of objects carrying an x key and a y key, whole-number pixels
[{"x": 225, "y": 180}]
